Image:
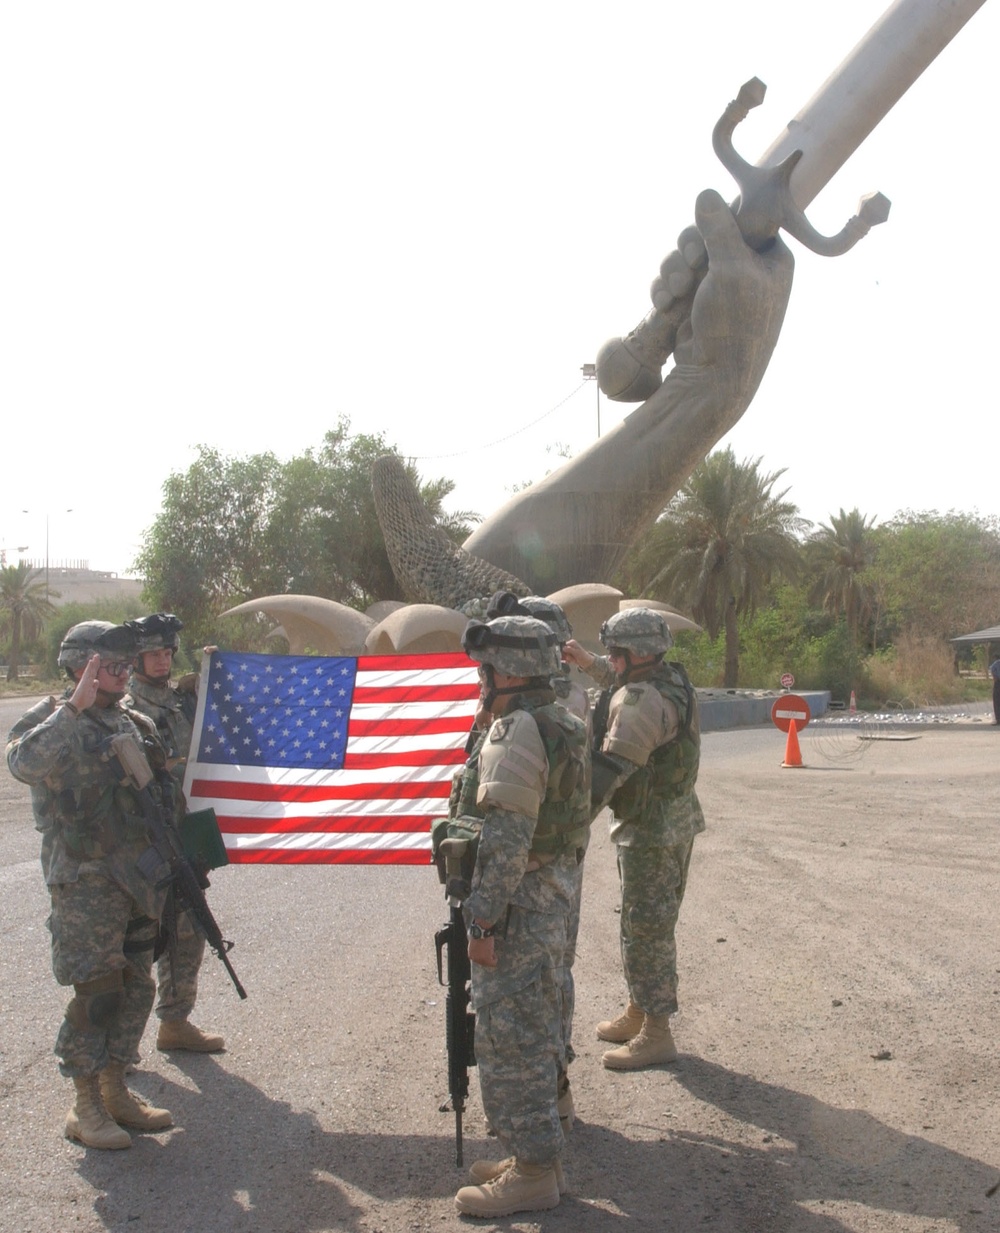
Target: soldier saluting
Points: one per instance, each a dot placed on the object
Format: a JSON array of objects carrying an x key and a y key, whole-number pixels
[
  {"x": 105, "y": 914},
  {"x": 653, "y": 738}
]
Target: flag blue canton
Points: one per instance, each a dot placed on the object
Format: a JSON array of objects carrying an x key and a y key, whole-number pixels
[{"x": 277, "y": 710}]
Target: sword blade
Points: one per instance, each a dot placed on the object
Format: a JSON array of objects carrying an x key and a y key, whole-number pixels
[{"x": 865, "y": 88}]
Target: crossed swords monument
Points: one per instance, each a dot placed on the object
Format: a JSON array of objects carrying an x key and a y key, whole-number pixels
[{"x": 718, "y": 303}]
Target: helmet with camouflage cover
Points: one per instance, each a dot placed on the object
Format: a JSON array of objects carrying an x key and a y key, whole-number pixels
[
  {"x": 643, "y": 631},
  {"x": 92, "y": 638},
  {"x": 549, "y": 611},
  {"x": 513, "y": 645},
  {"x": 506, "y": 603},
  {"x": 157, "y": 632}
]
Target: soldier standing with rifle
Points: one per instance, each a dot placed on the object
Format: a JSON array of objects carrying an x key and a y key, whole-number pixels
[
  {"x": 104, "y": 919},
  {"x": 171, "y": 706},
  {"x": 534, "y": 793},
  {"x": 570, "y": 694}
]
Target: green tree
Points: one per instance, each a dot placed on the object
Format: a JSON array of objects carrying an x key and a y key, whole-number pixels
[
  {"x": 938, "y": 574},
  {"x": 719, "y": 545},
  {"x": 24, "y": 609},
  {"x": 234, "y": 528},
  {"x": 840, "y": 555}
]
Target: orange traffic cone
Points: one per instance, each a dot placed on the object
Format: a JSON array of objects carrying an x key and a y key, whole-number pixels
[
  {"x": 854, "y": 704},
  {"x": 793, "y": 755}
]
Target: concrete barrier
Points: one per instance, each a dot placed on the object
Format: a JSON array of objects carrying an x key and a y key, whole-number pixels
[{"x": 745, "y": 708}]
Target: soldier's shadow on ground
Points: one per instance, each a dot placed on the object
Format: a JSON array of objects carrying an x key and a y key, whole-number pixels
[
  {"x": 241, "y": 1160},
  {"x": 829, "y": 1154}
]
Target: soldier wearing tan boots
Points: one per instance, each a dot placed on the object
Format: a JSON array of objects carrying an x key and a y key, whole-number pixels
[
  {"x": 171, "y": 706},
  {"x": 653, "y": 737},
  {"x": 104, "y": 918},
  {"x": 534, "y": 794}
]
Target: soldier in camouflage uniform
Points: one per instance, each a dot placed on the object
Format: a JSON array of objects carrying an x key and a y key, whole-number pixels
[
  {"x": 570, "y": 694},
  {"x": 653, "y": 737},
  {"x": 534, "y": 794},
  {"x": 104, "y": 919},
  {"x": 172, "y": 708}
]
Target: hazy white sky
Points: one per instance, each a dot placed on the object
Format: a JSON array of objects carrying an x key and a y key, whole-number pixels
[{"x": 231, "y": 223}]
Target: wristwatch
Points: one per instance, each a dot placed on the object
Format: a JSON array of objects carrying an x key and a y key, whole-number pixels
[{"x": 477, "y": 931}]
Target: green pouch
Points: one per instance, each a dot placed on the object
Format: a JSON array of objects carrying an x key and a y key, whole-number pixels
[
  {"x": 202, "y": 840},
  {"x": 464, "y": 828}
]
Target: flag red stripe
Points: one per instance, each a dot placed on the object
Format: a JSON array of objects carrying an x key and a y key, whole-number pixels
[
  {"x": 417, "y": 757},
  {"x": 394, "y": 695},
  {"x": 408, "y": 727},
  {"x": 415, "y": 663},
  {"x": 352, "y": 856},
  {"x": 235, "y": 824},
  {"x": 327, "y": 792}
]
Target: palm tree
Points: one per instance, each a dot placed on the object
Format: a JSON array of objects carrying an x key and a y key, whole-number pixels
[
  {"x": 24, "y": 608},
  {"x": 841, "y": 553},
  {"x": 725, "y": 538}
]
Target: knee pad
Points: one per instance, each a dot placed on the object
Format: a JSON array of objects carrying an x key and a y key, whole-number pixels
[{"x": 97, "y": 1002}]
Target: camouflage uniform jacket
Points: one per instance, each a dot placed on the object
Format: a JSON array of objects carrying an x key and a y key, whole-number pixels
[
  {"x": 172, "y": 709},
  {"x": 84, "y": 814},
  {"x": 653, "y": 733},
  {"x": 525, "y": 782},
  {"x": 573, "y": 697}
]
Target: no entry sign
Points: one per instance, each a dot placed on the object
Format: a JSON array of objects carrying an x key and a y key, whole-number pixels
[{"x": 789, "y": 707}]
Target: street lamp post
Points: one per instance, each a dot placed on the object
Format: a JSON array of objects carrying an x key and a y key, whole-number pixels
[
  {"x": 590, "y": 374},
  {"x": 28, "y": 511}
]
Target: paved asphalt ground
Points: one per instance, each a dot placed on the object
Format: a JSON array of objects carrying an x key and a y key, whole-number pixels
[{"x": 840, "y": 960}]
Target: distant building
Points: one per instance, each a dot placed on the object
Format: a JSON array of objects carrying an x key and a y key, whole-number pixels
[{"x": 74, "y": 582}]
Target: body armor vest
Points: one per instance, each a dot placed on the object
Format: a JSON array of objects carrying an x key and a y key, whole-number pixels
[
  {"x": 564, "y": 814},
  {"x": 672, "y": 769}
]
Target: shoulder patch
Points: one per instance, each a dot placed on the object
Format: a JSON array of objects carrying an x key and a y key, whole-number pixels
[{"x": 499, "y": 730}]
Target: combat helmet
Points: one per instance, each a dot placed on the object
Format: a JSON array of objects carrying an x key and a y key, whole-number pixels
[
  {"x": 157, "y": 632},
  {"x": 643, "y": 631},
  {"x": 91, "y": 638},
  {"x": 506, "y": 603},
  {"x": 549, "y": 611},
  {"x": 513, "y": 645}
]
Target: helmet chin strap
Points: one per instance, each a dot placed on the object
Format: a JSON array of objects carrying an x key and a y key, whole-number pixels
[
  {"x": 489, "y": 692},
  {"x": 634, "y": 670}
]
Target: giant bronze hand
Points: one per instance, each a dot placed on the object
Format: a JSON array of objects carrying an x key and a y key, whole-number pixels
[{"x": 577, "y": 523}]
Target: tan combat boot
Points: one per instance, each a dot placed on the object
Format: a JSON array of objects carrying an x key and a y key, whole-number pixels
[
  {"x": 653, "y": 1046},
  {"x": 88, "y": 1121},
  {"x": 624, "y": 1027},
  {"x": 489, "y": 1170},
  {"x": 125, "y": 1107},
  {"x": 181, "y": 1034},
  {"x": 520, "y": 1188}
]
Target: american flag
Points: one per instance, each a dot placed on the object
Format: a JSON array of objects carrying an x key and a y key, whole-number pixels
[{"x": 310, "y": 760}]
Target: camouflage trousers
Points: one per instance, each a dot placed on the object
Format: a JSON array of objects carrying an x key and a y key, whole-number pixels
[
  {"x": 177, "y": 975},
  {"x": 519, "y": 1036},
  {"x": 565, "y": 972},
  {"x": 102, "y": 944},
  {"x": 653, "y": 880}
]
